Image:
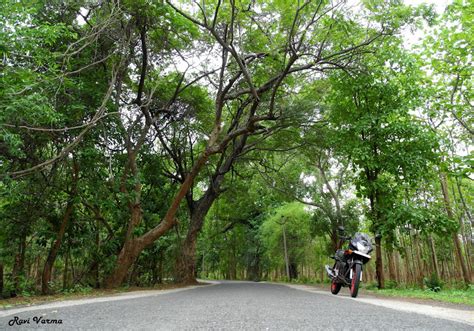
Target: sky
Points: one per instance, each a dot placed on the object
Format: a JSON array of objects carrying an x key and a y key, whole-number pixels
[
  {"x": 410, "y": 38},
  {"x": 439, "y": 5}
]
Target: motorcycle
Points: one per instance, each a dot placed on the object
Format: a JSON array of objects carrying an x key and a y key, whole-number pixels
[{"x": 348, "y": 265}]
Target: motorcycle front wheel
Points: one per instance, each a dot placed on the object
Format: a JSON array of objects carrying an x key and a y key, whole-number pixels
[
  {"x": 335, "y": 287},
  {"x": 356, "y": 271}
]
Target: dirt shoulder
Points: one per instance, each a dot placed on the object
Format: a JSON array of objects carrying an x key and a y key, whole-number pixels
[
  {"x": 365, "y": 293},
  {"x": 27, "y": 301}
]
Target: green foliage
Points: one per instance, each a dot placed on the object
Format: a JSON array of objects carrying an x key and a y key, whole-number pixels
[
  {"x": 447, "y": 53},
  {"x": 446, "y": 295},
  {"x": 433, "y": 283},
  {"x": 373, "y": 122},
  {"x": 295, "y": 221},
  {"x": 78, "y": 289},
  {"x": 371, "y": 113},
  {"x": 390, "y": 284},
  {"x": 426, "y": 220}
]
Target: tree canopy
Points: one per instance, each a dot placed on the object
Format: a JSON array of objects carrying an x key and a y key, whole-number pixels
[{"x": 153, "y": 141}]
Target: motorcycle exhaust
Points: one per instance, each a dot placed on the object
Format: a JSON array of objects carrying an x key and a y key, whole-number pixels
[{"x": 330, "y": 272}]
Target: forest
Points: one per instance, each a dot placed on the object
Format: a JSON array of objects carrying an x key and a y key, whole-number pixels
[{"x": 147, "y": 141}]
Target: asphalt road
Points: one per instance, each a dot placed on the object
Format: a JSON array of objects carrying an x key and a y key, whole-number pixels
[{"x": 225, "y": 306}]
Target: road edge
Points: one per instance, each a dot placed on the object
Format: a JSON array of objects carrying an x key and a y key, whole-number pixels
[
  {"x": 455, "y": 315},
  {"x": 116, "y": 297}
]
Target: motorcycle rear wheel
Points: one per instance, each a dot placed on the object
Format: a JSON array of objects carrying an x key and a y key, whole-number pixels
[
  {"x": 356, "y": 271},
  {"x": 335, "y": 287}
]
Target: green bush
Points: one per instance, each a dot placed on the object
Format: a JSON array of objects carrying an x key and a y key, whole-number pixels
[
  {"x": 390, "y": 284},
  {"x": 78, "y": 289},
  {"x": 371, "y": 286},
  {"x": 433, "y": 283},
  {"x": 8, "y": 289}
]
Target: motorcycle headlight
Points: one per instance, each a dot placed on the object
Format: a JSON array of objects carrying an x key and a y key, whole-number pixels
[{"x": 362, "y": 248}]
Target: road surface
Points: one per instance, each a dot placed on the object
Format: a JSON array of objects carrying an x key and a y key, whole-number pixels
[{"x": 233, "y": 306}]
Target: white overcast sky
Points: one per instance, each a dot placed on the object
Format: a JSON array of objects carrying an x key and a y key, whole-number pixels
[{"x": 439, "y": 5}]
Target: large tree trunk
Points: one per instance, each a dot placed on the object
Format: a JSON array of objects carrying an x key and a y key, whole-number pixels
[
  {"x": 378, "y": 263},
  {"x": 457, "y": 244},
  {"x": 48, "y": 266},
  {"x": 133, "y": 247},
  {"x": 186, "y": 262},
  {"x": 335, "y": 241},
  {"x": 374, "y": 202},
  {"x": 127, "y": 256}
]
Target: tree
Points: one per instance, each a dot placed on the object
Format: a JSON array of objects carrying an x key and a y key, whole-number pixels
[
  {"x": 294, "y": 41},
  {"x": 143, "y": 141},
  {"x": 448, "y": 51},
  {"x": 286, "y": 236},
  {"x": 371, "y": 114},
  {"x": 448, "y": 54}
]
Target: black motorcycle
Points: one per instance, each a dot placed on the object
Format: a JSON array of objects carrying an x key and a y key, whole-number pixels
[{"x": 347, "y": 270}]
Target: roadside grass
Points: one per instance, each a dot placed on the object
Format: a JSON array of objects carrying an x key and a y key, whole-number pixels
[
  {"x": 451, "y": 293},
  {"x": 78, "y": 293},
  {"x": 465, "y": 297}
]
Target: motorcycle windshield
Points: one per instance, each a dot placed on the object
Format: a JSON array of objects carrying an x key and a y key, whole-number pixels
[{"x": 361, "y": 242}]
